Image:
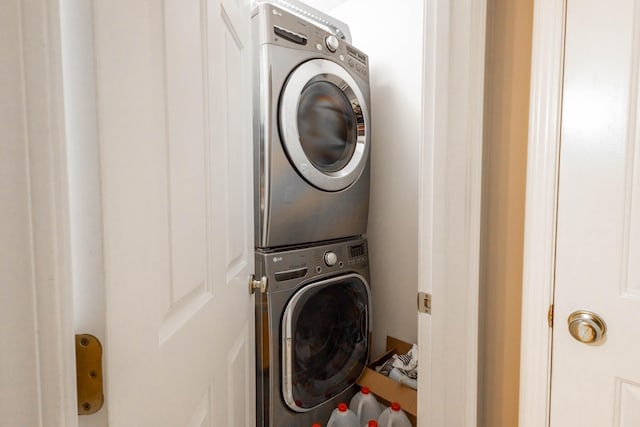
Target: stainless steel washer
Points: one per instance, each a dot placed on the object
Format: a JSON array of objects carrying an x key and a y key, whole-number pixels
[
  {"x": 311, "y": 131},
  {"x": 313, "y": 329}
]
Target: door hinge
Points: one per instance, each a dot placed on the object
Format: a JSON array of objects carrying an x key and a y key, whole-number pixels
[
  {"x": 424, "y": 302},
  {"x": 550, "y": 316},
  {"x": 89, "y": 374}
]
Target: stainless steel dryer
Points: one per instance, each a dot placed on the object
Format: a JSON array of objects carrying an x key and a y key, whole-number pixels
[
  {"x": 313, "y": 331},
  {"x": 311, "y": 132}
]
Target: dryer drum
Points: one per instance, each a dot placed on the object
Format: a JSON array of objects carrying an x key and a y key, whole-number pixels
[
  {"x": 327, "y": 126},
  {"x": 323, "y": 121}
]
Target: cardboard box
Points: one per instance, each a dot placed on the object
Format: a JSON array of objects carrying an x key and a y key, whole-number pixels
[{"x": 386, "y": 389}]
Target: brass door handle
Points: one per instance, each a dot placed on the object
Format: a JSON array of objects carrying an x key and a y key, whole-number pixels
[
  {"x": 257, "y": 285},
  {"x": 586, "y": 326}
]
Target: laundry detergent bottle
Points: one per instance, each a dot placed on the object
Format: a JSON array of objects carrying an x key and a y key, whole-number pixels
[
  {"x": 365, "y": 406},
  {"x": 342, "y": 416},
  {"x": 393, "y": 416}
]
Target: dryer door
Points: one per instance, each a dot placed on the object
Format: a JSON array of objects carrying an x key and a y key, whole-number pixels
[
  {"x": 324, "y": 124},
  {"x": 325, "y": 340}
]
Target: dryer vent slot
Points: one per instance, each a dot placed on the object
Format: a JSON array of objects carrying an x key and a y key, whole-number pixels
[{"x": 290, "y": 35}]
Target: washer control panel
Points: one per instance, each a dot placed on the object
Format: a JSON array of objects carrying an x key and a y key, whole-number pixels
[
  {"x": 289, "y": 267},
  {"x": 338, "y": 257}
]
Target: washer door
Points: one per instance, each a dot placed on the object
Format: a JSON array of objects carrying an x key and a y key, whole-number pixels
[
  {"x": 323, "y": 124},
  {"x": 325, "y": 340}
]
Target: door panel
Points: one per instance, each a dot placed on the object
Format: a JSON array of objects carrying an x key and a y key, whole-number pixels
[
  {"x": 631, "y": 266},
  {"x": 599, "y": 216},
  {"x": 174, "y": 119},
  {"x": 188, "y": 190},
  {"x": 186, "y": 121},
  {"x": 628, "y": 404},
  {"x": 235, "y": 126}
]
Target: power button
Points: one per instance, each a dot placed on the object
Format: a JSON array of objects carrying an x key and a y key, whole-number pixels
[
  {"x": 330, "y": 258},
  {"x": 332, "y": 43}
]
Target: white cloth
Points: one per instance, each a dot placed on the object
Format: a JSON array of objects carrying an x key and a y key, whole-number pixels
[{"x": 406, "y": 365}]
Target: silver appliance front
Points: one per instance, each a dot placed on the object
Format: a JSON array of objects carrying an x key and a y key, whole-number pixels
[
  {"x": 313, "y": 330},
  {"x": 311, "y": 133}
]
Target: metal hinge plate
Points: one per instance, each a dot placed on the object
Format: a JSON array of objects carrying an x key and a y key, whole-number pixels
[
  {"x": 89, "y": 374},
  {"x": 550, "y": 316},
  {"x": 424, "y": 302}
]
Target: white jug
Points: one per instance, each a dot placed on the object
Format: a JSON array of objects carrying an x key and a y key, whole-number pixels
[
  {"x": 365, "y": 406},
  {"x": 342, "y": 416},
  {"x": 393, "y": 416}
]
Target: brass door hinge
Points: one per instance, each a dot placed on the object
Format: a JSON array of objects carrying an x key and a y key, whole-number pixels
[
  {"x": 424, "y": 302},
  {"x": 550, "y": 316},
  {"x": 89, "y": 374}
]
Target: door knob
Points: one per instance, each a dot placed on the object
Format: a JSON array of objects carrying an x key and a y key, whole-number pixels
[
  {"x": 586, "y": 327},
  {"x": 257, "y": 285}
]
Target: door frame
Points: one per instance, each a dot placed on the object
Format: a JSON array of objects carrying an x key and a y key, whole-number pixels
[
  {"x": 450, "y": 209},
  {"x": 449, "y": 196},
  {"x": 547, "y": 64},
  {"x": 45, "y": 149}
]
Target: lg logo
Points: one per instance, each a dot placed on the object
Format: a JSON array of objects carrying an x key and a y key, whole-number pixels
[{"x": 277, "y": 258}]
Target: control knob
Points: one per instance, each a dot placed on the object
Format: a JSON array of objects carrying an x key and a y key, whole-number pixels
[
  {"x": 330, "y": 258},
  {"x": 332, "y": 43}
]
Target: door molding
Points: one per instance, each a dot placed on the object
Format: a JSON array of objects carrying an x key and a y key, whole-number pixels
[
  {"x": 45, "y": 149},
  {"x": 540, "y": 210},
  {"x": 449, "y": 209}
]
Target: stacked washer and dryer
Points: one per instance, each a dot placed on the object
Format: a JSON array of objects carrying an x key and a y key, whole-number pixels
[{"x": 312, "y": 143}]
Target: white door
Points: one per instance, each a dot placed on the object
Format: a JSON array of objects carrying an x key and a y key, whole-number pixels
[
  {"x": 598, "y": 240},
  {"x": 174, "y": 129}
]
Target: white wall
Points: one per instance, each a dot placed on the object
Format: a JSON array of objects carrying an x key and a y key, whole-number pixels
[{"x": 392, "y": 37}]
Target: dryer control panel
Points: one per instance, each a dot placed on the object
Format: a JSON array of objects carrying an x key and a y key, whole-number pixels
[{"x": 282, "y": 28}]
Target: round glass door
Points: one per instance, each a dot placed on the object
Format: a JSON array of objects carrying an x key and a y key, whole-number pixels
[
  {"x": 326, "y": 126},
  {"x": 325, "y": 340},
  {"x": 323, "y": 125}
]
